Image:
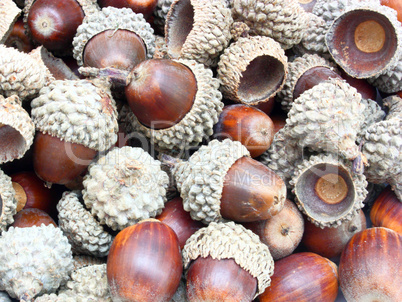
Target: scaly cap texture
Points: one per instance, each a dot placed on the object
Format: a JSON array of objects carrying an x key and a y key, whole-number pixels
[
  {"x": 77, "y": 112},
  {"x": 9, "y": 12},
  {"x": 197, "y": 124},
  {"x": 83, "y": 231},
  {"x": 13, "y": 115},
  {"x": 125, "y": 186},
  {"x": 112, "y": 18},
  {"x": 7, "y": 201},
  {"x": 390, "y": 81},
  {"x": 200, "y": 179},
  {"x": 34, "y": 261},
  {"x": 313, "y": 41},
  {"x": 394, "y": 104},
  {"x": 372, "y": 114},
  {"x": 84, "y": 260},
  {"x": 160, "y": 13},
  {"x": 232, "y": 241},
  {"x": 66, "y": 296}
]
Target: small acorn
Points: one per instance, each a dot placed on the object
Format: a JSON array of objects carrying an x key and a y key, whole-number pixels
[
  {"x": 29, "y": 217},
  {"x": 145, "y": 7},
  {"x": 18, "y": 38}
]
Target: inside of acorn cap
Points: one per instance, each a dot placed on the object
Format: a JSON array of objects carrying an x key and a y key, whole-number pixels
[
  {"x": 262, "y": 78},
  {"x": 12, "y": 143},
  {"x": 315, "y": 206},
  {"x": 179, "y": 25},
  {"x": 362, "y": 42}
]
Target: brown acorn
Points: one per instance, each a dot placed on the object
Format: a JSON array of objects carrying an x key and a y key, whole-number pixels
[
  {"x": 18, "y": 38},
  {"x": 144, "y": 263},
  {"x": 387, "y": 211},
  {"x": 303, "y": 277},
  {"x": 29, "y": 217},
  {"x": 145, "y": 7},
  {"x": 370, "y": 268}
]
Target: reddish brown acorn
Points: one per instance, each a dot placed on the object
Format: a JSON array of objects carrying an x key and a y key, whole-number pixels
[
  {"x": 18, "y": 38},
  {"x": 29, "y": 217}
]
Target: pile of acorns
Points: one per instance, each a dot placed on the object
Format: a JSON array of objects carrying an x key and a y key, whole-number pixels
[{"x": 200, "y": 150}]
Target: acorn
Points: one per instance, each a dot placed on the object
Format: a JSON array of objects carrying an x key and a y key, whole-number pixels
[
  {"x": 8, "y": 203},
  {"x": 389, "y": 80},
  {"x": 248, "y": 125},
  {"x": 75, "y": 120},
  {"x": 329, "y": 242},
  {"x": 148, "y": 250},
  {"x": 362, "y": 86},
  {"x": 30, "y": 217},
  {"x": 375, "y": 255},
  {"x": 161, "y": 10},
  {"x": 282, "y": 233},
  {"x": 54, "y": 24},
  {"x": 198, "y": 30},
  {"x": 327, "y": 191},
  {"x": 220, "y": 181},
  {"x": 80, "y": 261},
  {"x": 146, "y": 7},
  {"x": 303, "y": 277},
  {"x": 226, "y": 262},
  {"x": 387, "y": 211},
  {"x": 18, "y": 38},
  {"x": 9, "y": 13},
  {"x": 372, "y": 114},
  {"x": 394, "y": 105},
  {"x": 179, "y": 220},
  {"x": 313, "y": 41},
  {"x": 113, "y": 37}
]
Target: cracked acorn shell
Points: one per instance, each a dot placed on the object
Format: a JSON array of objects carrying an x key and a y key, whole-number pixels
[
  {"x": 232, "y": 241},
  {"x": 8, "y": 203},
  {"x": 83, "y": 231},
  {"x": 327, "y": 118},
  {"x": 284, "y": 21},
  {"x": 16, "y": 129},
  {"x": 9, "y": 13},
  {"x": 197, "y": 123},
  {"x": 125, "y": 186},
  {"x": 20, "y": 74},
  {"x": 198, "y": 30},
  {"x": 115, "y": 19},
  {"x": 252, "y": 70},
  {"x": 327, "y": 191},
  {"x": 34, "y": 261},
  {"x": 296, "y": 70}
]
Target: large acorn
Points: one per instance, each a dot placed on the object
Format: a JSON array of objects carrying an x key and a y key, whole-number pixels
[
  {"x": 8, "y": 203},
  {"x": 220, "y": 180},
  {"x": 75, "y": 120},
  {"x": 9, "y": 13}
]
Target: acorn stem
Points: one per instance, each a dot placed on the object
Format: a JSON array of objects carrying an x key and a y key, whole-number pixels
[{"x": 116, "y": 76}]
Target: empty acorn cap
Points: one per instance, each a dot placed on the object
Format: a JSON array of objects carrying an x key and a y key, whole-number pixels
[
  {"x": 327, "y": 191},
  {"x": 9, "y": 13},
  {"x": 365, "y": 40},
  {"x": 8, "y": 203},
  {"x": 77, "y": 112},
  {"x": 112, "y": 18},
  {"x": 252, "y": 70},
  {"x": 198, "y": 30},
  {"x": 197, "y": 124},
  {"x": 200, "y": 179},
  {"x": 232, "y": 241},
  {"x": 16, "y": 129}
]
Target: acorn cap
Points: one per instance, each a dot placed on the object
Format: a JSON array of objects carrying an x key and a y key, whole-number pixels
[
  {"x": 20, "y": 74},
  {"x": 285, "y": 21},
  {"x": 9, "y": 13},
  {"x": 252, "y": 70},
  {"x": 8, "y": 203},
  {"x": 198, "y": 30},
  {"x": 200, "y": 179},
  {"x": 20, "y": 129},
  {"x": 232, "y": 241},
  {"x": 197, "y": 123},
  {"x": 313, "y": 41},
  {"x": 394, "y": 104},
  {"x": 372, "y": 114},
  {"x": 85, "y": 260},
  {"x": 327, "y": 118},
  {"x": 125, "y": 186},
  {"x": 77, "y": 112},
  {"x": 295, "y": 70},
  {"x": 382, "y": 148},
  {"x": 327, "y": 191},
  {"x": 160, "y": 48},
  {"x": 66, "y": 296},
  {"x": 34, "y": 261},
  {"x": 365, "y": 40},
  {"x": 160, "y": 13},
  {"x": 83, "y": 231},
  {"x": 330, "y": 10},
  {"x": 112, "y": 18},
  {"x": 390, "y": 81}
]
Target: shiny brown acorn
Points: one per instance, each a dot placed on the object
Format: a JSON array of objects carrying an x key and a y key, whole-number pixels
[
  {"x": 32, "y": 217},
  {"x": 18, "y": 38}
]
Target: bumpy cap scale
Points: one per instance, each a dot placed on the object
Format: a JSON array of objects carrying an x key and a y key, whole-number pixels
[
  {"x": 252, "y": 70},
  {"x": 161, "y": 11},
  {"x": 198, "y": 123},
  {"x": 83, "y": 231},
  {"x": 20, "y": 74},
  {"x": 18, "y": 132},
  {"x": 67, "y": 296},
  {"x": 313, "y": 41},
  {"x": 394, "y": 104},
  {"x": 84, "y": 260},
  {"x": 34, "y": 261},
  {"x": 284, "y": 21},
  {"x": 372, "y": 114},
  {"x": 125, "y": 186},
  {"x": 111, "y": 18},
  {"x": 9, "y": 13},
  {"x": 198, "y": 30},
  {"x": 327, "y": 117},
  {"x": 232, "y": 241},
  {"x": 77, "y": 112},
  {"x": 8, "y": 203},
  {"x": 390, "y": 81},
  {"x": 200, "y": 179}
]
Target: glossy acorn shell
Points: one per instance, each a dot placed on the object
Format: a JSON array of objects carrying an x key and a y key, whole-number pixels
[
  {"x": 145, "y": 7},
  {"x": 18, "y": 38},
  {"x": 32, "y": 217},
  {"x": 144, "y": 263}
]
